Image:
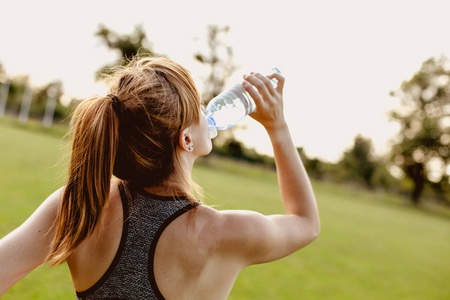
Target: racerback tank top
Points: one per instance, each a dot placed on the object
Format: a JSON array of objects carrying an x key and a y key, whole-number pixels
[{"x": 130, "y": 275}]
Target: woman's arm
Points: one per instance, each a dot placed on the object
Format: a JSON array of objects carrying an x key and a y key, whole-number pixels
[
  {"x": 26, "y": 248},
  {"x": 259, "y": 238}
]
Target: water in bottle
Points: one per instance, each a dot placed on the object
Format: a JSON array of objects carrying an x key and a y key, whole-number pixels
[{"x": 229, "y": 107}]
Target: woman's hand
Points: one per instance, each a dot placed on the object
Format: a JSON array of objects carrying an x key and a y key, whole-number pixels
[{"x": 268, "y": 99}]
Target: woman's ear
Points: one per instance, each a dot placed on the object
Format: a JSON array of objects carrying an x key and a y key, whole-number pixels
[{"x": 185, "y": 140}]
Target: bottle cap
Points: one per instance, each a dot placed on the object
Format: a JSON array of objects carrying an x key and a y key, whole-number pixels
[{"x": 211, "y": 127}]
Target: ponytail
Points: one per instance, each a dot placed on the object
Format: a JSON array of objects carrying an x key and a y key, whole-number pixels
[
  {"x": 158, "y": 99},
  {"x": 95, "y": 135}
]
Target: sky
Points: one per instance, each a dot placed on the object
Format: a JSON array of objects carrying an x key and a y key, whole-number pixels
[{"x": 340, "y": 59}]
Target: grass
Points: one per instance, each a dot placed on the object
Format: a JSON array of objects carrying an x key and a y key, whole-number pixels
[
  {"x": 372, "y": 245},
  {"x": 29, "y": 172}
]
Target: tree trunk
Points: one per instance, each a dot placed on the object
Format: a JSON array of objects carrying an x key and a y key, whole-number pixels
[
  {"x": 417, "y": 174},
  {"x": 417, "y": 191}
]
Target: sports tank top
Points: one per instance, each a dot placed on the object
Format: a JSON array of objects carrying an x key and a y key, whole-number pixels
[{"x": 130, "y": 275}]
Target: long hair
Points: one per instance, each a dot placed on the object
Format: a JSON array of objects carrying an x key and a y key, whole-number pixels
[{"x": 132, "y": 135}]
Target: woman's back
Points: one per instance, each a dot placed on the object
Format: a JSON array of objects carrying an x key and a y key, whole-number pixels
[{"x": 180, "y": 264}]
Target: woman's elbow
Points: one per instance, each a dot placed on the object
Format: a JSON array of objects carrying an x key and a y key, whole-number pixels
[
  {"x": 309, "y": 232},
  {"x": 314, "y": 230},
  {"x": 316, "y": 227}
]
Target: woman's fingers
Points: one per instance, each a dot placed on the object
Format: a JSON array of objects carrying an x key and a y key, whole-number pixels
[
  {"x": 280, "y": 81},
  {"x": 268, "y": 99},
  {"x": 262, "y": 90},
  {"x": 253, "y": 93},
  {"x": 261, "y": 83}
]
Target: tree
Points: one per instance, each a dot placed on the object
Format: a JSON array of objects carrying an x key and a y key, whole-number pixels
[
  {"x": 15, "y": 93},
  {"x": 422, "y": 146},
  {"x": 314, "y": 166},
  {"x": 127, "y": 45},
  {"x": 41, "y": 96},
  {"x": 358, "y": 162},
  {"x": 2, "y": 71},
  {"x": 219, "y": 60}
]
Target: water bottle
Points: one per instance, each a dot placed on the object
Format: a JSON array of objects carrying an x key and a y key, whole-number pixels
[{"x": 229, "y": 107}]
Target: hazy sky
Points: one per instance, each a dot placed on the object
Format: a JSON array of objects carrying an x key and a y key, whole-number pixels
[{"x": 340, "y": 58}]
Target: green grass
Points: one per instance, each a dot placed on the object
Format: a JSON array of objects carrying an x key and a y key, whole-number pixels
[{"x": 372, "y": 245}]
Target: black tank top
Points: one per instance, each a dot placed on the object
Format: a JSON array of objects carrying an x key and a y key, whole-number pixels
[{"x": 130, "y": 275}]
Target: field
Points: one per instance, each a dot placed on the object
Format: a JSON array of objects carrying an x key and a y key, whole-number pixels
[{"x": 372, "y": 245}]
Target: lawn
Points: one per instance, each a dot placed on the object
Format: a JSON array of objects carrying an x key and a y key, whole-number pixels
[{"x": 372, "y": 245}]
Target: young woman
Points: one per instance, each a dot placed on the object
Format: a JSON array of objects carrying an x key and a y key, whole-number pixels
[{"x": 127, "y": 222}]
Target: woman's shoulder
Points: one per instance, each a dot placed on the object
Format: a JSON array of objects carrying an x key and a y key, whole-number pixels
[
  {"x": 55, "y": 197},
  {"x": 223, "y": 228}
]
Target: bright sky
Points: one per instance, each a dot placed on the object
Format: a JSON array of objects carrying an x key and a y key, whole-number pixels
[{"x": 340, "y": 58}]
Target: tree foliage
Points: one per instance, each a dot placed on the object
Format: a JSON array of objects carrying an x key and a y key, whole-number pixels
[
  {"x": 219, "y": 59},
  {"x": 422, "y": 146},
  {"x": 2, "y": 71},
  {"x": 127, "y": 46},
  {"x": 358, "y": 162},
  {"x": 314, "y": 166},
  {"x": 40, "y": 96}
]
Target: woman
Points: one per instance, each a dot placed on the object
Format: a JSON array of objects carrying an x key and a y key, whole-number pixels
[{"x": 127, "y": 222}]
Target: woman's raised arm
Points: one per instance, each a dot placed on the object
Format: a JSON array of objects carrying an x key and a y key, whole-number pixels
[{"x": 261, "y": 238}]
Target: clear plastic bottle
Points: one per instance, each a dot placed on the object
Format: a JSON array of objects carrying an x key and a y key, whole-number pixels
[{"x": 229, "y": 107}]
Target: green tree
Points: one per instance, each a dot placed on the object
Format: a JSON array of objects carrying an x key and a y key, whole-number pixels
[
  {"x": 15, "y": 93},
  {"x": 127, "y": 46},
  {"x": 2, "y": 70},
  {"x": 358, "y": 162},
  {"x": 314, "y": 166},
  {"x": 40, "y": 98},
  {"x": 422, "y": 146}
]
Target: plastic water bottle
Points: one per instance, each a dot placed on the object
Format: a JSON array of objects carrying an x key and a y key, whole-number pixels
[{"x": 229, "y": 107}]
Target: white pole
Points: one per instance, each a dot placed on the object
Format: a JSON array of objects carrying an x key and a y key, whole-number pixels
[
  {"x": 25, "y": 106},
  {"x": 3, "y": 97},
  {"x": 50, "y": 107}
]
